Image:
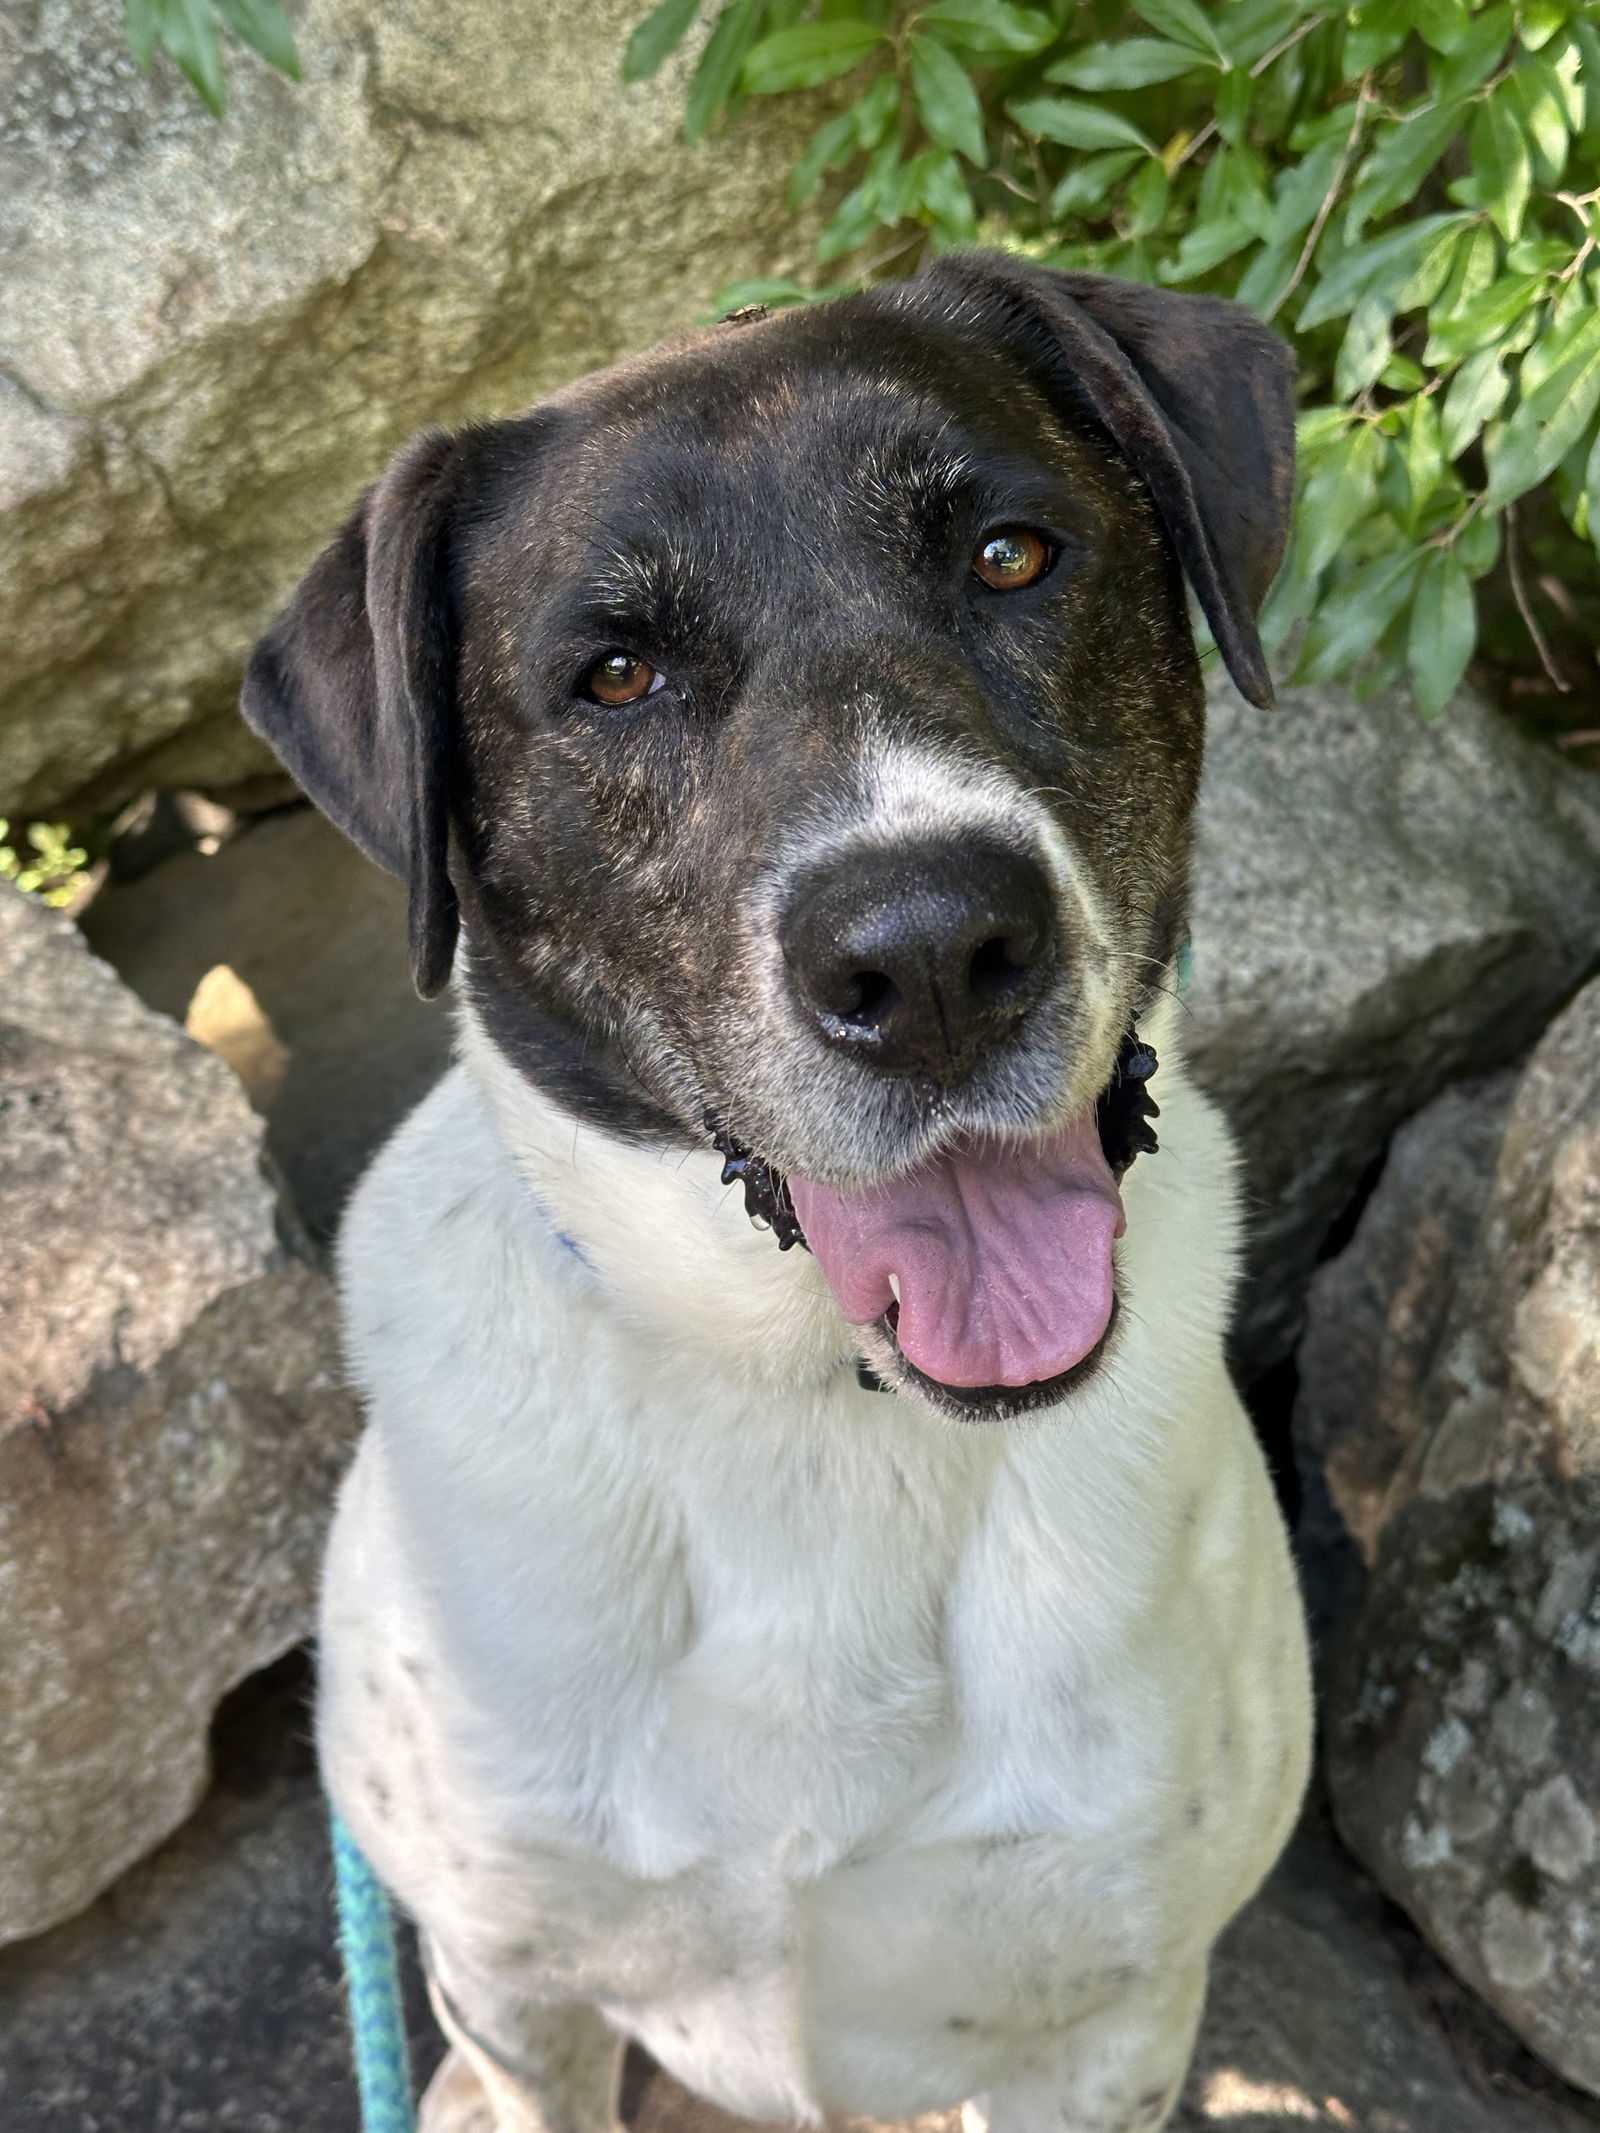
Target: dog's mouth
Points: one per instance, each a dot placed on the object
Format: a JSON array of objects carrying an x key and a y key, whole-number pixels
[{"x": 985, "y": 1277}]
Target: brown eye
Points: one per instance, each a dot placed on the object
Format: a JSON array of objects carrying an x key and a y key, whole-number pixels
[
  {"x": 620, "y": 678},
  {"x": 1011, "y": 559}
]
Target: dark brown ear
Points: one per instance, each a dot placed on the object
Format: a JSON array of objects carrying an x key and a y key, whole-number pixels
[
  {"x": 354, "y": 686},
  {"x": 1197, "y": 395}
]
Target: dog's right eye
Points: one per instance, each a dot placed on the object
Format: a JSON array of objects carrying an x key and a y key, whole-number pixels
[{"x": 621, "y": 678}]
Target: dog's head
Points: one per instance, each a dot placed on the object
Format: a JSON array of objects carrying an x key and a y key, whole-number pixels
[{"x": 800, "y": 726}]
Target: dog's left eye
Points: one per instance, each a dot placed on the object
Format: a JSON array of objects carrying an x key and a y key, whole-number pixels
[
  {"x": 622, "y": 678},
  {"x": 1012, "y": 558}
]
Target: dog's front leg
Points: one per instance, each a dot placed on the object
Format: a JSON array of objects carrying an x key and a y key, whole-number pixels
[
  {"x": 558, "y": 2075},
  {"x": 1119, "y": 2071}
]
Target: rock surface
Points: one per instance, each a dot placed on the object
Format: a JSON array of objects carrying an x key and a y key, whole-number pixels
[
  {"x": 1381, "y": 906},
  {"x": 1464, "y": 1721},
  {"x": 1378, "y": 1311},
  {"x": 318, "y": 936},
  {"x": 172, "y": 1419},
  {"x": 444, "y": 219}
]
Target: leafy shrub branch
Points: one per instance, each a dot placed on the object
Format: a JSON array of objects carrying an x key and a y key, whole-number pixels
[{"x": 1409, "y": 189}]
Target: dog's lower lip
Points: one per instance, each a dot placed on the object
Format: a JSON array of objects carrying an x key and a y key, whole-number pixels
[{"x": 997, "y": 1402}]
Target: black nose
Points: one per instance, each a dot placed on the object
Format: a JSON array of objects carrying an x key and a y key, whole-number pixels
[{"x": 920, "y": 959}]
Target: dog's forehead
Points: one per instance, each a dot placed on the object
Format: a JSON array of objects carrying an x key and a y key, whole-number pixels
[{"x": 803, "y": 411}]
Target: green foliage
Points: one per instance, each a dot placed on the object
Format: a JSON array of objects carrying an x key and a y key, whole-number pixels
[
  {"x": 52, "y": 872},
  {"x": 1409, "y": 189},
  {"x": 191, "y": 32}
]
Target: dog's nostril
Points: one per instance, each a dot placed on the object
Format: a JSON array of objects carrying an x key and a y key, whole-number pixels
[
  {"x": 999, "y": 969},
  {"x": 876, "y": 997}
]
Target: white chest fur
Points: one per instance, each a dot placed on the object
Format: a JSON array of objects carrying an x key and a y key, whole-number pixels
[{"x": 837, "y": 1752}]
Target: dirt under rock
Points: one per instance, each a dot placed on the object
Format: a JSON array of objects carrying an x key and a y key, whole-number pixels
[{"x": 314, "y": 936}]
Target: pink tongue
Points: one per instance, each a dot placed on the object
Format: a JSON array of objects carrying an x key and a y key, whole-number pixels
[{"x": 1002, "y": 1254}]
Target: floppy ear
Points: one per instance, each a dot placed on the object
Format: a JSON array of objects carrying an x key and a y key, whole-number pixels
[
  {"x": 1197, "y": 395},
  {"x": 353, "y": 687}
]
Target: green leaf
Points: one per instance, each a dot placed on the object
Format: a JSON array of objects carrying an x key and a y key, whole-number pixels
[
  {"x": 1555, "y": 365},
  {"x": 947, "y": 100},
  {"x": 1539, "y": 21},
  {"x": 875, "y": 200},
  {"x": 936, "y": 191},
  {"x": 1558, "y": 403},
  {"x": 1250, "y": 28},
  {"x": 1471, "y": 272},
  {"x": 1501, "y": 165},
  {"x": 1290, "y": 600},
  {"x": 1375, "y": 34},
  {"x": 1147, "y": 199},
  {"x": 1538, "y": 255},
  {"x": 189, "y": 32},
  {"x": 1444, "y": 630},
  {"x": 808, "y": 54},
  {"x": 1479, "y": 40},
  {"x": 716, "y": 73},
  {"x": 1205, "y": 246},
  {"x": 1485, "y": 319},
  {"x": 833, "y": 143},
  {"x": 1446, "y": 25},
  {"x": 1476, "y": 395},
  {"x": 1304, "y": 185},
  {"x": 142, "y": 21},
  {"x": 1235, "y": 97},
  {"x": 1366, "y": 347},
  {"x": 1133, "y": 64},
  {"x": 1266, "y": 279},
  {"x": 1233, "y": 186},
  {"x": 1384, "y": 265},
  {"x": 1340, "y": 489},
  {"x": 1352, "y": 617},
  {"x": 1431, "y": 271},
  {"x": 1075, "y": 124},
  {"x": 1088, "y": 183},
  {"x": 657, "y": 37},
  {"x": 1421, "y": 457},
  {"x": 1565, "y": 62},
  {"x": 1535, "y": 91},
  {"x": 989, "y": 26},
  {"x": 1401, "y": 160},
  {"x": 1184, "y": 23},
  {"x": 1478, "y": 543},
  {"x": 266, "y": 29}
]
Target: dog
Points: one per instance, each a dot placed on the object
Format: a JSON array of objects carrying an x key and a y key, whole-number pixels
[{"x": 854, "y": 1653}]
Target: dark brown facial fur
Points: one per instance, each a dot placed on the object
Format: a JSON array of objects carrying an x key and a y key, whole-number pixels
[{"x": 777, "y": 522}]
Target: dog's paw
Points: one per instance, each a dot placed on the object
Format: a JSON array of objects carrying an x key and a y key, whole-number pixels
[{"x": 456, "y": 2100}]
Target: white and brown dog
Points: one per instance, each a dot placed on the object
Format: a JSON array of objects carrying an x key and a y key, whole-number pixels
[{"x": 870, "y": 1675}]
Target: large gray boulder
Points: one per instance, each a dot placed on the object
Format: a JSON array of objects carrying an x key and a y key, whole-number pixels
[
  {"x": 212, "y": 335},
  {"x": 1381, "y": 906},
  {"x": 1464, "y": 1714},
  {"x": 172, "y": 1420}
]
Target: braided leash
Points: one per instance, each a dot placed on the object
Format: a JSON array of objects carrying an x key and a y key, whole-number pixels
[{"x": 372, "y": 1987}]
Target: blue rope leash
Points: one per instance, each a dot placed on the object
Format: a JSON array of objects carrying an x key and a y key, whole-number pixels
[{"x": 372, "y": 1986}]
